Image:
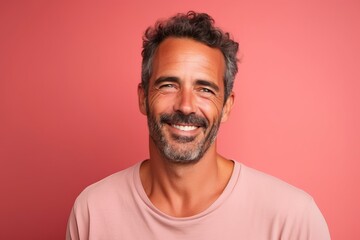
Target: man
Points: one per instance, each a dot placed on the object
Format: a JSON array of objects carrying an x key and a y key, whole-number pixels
[{"x": 186, "y": 190}]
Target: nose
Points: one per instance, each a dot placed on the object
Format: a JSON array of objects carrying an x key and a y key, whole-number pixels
[{"x": 185, "y": 102}]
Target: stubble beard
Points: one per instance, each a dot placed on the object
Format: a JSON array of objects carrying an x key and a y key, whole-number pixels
[{"x": 184, "y": 150}]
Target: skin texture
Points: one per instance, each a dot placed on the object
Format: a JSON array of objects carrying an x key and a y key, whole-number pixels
[{"x": 185, "y": 106}]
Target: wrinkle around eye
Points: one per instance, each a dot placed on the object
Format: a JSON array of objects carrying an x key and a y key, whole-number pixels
[
  {"x": 209, "y": 94},
  {"x": 154, "y": 96}
]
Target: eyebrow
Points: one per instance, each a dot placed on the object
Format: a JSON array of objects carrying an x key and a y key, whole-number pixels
[{"x": 166, "y": 79}]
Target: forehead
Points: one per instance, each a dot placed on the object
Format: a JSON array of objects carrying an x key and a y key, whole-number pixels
[{"x": 185, "y": 57}]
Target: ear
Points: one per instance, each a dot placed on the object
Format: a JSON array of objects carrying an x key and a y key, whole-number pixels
[
  {"x": 142, "y": 99},
  {"x": 227, "y": 107}
]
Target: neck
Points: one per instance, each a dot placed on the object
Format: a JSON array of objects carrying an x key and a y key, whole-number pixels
[{"x": 183, "y": 190}]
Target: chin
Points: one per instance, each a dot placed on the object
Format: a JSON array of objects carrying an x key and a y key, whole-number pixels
[{"x": 183, "y": 156}]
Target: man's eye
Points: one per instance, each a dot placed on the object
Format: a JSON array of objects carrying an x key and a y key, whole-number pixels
[
  {"x": 206, "y": 90},
  {"x": 167, "y": 86}
]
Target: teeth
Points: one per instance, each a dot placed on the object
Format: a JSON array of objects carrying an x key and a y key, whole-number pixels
[{"x": 184, "y": 128}]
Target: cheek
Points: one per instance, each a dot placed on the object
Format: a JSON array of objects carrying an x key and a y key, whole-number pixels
[
  {"x": 210, "y": 108},
  {"x": 160, "y": 103}
]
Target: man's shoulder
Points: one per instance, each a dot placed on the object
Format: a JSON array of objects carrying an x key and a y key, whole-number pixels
[
  {"x": 267, "y": 181},
  {"x": 277, "y": 207},
  {"x": 114, "y": 185},
  {"x": 272, "y": 192}
]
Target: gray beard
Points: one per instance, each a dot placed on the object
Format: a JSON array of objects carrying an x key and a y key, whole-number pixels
[{"x": 181, "y": 154}]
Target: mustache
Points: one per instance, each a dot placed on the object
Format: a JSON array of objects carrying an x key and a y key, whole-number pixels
[{"x": 180, "y": 118}]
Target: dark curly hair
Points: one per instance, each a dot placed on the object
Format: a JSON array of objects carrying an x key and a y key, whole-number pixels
[{"x": 197, "y": 26}]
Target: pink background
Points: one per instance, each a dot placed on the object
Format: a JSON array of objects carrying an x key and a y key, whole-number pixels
[{"x": 69, "y": 115}]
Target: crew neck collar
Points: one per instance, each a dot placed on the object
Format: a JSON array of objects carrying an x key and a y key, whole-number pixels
[{"x": 216, "y": 204}]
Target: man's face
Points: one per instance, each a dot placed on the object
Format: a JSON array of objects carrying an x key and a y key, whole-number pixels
[{"x": 185, "y": 100}]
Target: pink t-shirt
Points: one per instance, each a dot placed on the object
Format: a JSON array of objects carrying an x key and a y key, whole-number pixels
[{"x": 252, "y": 206}]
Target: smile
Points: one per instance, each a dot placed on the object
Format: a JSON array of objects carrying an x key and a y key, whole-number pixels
[{"x": 184, "y": 127}]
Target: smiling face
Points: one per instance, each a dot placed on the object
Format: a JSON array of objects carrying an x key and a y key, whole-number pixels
[{"x": 185, "y": 100}]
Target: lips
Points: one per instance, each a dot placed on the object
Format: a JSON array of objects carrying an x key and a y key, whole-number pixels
[{"x": 184, "y": 122}]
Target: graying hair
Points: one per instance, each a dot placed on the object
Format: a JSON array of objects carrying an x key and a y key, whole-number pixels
[{"x": 197, "y": 26}]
